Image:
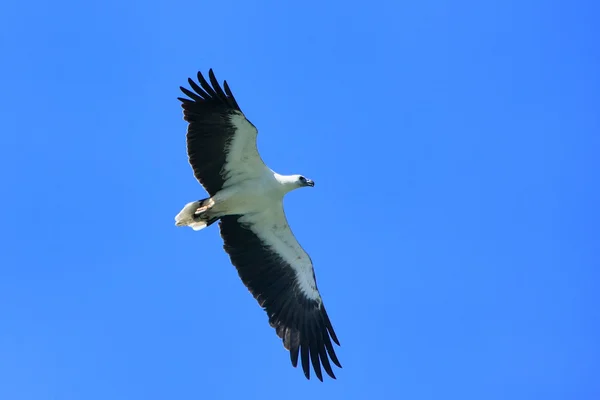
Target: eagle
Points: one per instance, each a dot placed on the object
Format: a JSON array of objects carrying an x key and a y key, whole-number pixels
[{"x": 246, "y": 197}]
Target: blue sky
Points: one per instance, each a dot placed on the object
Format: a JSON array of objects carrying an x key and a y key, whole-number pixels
[{"x": 453, "y": 225}]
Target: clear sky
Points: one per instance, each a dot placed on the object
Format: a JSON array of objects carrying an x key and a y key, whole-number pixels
[{"x": 453, "y": 225}]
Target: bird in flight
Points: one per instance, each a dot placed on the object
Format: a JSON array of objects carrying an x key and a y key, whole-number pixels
[{"x": 246, "y": 197}]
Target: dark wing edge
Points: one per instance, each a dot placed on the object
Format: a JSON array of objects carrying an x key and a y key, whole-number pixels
[
  {"x": 302, "y": 323},
  {"x": 209, "y": 130}
]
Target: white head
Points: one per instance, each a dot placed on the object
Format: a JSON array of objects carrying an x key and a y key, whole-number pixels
[{"x": 291, "y": 182}]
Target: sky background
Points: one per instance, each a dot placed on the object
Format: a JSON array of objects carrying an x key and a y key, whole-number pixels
[{"x": 454, "y": 224}]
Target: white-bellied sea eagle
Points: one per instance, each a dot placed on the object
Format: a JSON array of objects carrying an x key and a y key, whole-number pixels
[{"x": 246, "y": 197}]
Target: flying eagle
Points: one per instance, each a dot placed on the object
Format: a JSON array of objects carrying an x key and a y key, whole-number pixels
[{"x": 246, "y": 197}]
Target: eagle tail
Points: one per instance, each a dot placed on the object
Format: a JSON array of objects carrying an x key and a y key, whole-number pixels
[{"x": 196, "y": 215}]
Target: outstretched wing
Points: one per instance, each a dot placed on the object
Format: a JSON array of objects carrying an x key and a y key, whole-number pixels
[
  {"x": 279, "y": 274},
  {"x": 221, "y": 142}
]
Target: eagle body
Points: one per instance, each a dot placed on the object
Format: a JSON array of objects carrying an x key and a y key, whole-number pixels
[{"x": 246, "y": 197}]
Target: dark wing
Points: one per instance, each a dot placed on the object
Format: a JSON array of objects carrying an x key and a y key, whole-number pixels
[
  {"x": 221, "y": 142},
  {"x": 280, "y": 276}
]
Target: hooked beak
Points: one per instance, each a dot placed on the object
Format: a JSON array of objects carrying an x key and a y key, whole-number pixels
[{"x": 310, "y": 183}]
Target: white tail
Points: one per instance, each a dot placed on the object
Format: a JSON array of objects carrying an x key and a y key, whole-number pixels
[{"x": 194, "y": 215}]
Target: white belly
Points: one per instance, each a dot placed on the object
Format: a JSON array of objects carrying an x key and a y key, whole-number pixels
[{"x": 250, "y": 196}]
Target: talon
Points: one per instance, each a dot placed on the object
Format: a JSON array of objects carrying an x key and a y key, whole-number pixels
[{"x": 201, "y": 210}]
